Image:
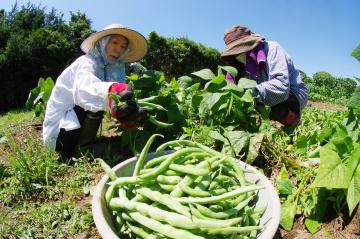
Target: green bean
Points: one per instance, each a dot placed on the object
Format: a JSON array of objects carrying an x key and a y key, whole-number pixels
[
  {"x": 188, "y": 179},
  {"x": 238, "y": 170},
  {"x": 171, "y": 218},
  {"x": 164, "y": 229},
  {"x": 108, "y": 170},
  {"x": 233, "y": 230},
  {"x": 148, "y": 99},
  {"x": 172, "y": 173},
  {"x": 214, "y": 199},
  {"x": 118, "y": 223},
  {"x": 173, "y": 180},
  {"x": 140, "y": 231},
  {"x": 126, "y": 181},
  {"x": 143, "y": 154},
  {"x": 220, "y": 215},
  {"x": 199, "y": 156},
  {"x": 189, "y": 169},
  {"x": 109, "y": 194},
  {"x": 121, "y": 182},
  {"x": 164, "y": 199},
  {"x": 145, "y": 170},
  {"x": 166, "y": 187},
  {"x": 126, "y": 217},
  {"x": 138, "y": 198},
  {"x": 196, "y": 213},
  {"x": 150, "y": 106},
  {"x": 216, "y": 208},
  {"x": 242, "y": 204},
  {"x": 194, "y": 192},
  {"x": 156, "y": 122},
  {"x": 204, "y": 183},
  {"x": 156, "y": 160},
  {"x": 165, "y": 164},
  {"x": 183, "y": 142}
]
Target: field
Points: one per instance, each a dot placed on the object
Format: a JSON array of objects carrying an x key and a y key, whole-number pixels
[{"x": 43, "y": 196}]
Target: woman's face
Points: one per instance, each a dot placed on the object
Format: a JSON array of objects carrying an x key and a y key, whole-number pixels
[{"x": 116, "y": 46}]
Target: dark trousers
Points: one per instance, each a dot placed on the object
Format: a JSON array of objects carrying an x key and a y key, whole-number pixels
[
  {"x": 68, "y": 140},
  {"x": 280, "y": 111}
]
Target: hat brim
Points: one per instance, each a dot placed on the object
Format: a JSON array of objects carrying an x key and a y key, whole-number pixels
[
  {"x": 242, "y": 45},
  {"x": 138, "y": 46}
]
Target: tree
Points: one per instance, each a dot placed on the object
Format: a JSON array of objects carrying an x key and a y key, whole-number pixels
[
  {"x": 33, "y": 44},
  {"x": 179, "y": 56}
]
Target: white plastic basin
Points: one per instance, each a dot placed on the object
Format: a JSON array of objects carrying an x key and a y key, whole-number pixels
[{"x": 267, "y": 197}]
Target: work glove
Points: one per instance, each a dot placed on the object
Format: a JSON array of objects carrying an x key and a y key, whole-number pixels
[
  {"x": 128, "y": 114},
  {"x": 284, "y": 115},
  {"x": 125, "y": 91}
]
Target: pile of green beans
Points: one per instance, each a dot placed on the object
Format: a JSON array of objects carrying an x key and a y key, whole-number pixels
[{"x": 192, "y": 192}]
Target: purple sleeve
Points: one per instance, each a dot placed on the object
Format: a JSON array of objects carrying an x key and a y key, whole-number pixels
[{"x": 230, "y": 78}]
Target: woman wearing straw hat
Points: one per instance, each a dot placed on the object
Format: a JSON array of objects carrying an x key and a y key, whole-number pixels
[
  {"x": 279, "y": 84},
  {"x": 79, "y": 98}
]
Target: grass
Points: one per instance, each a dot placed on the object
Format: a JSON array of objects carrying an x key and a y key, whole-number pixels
[
  {"x": 41, "y": 195},
  {"x": 15, "y": 119}
]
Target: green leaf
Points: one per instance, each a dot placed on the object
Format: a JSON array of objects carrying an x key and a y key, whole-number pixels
[
  {"x": 184, "y": 81},
  {"x": 254, "y": 147},
  {"x": 231, "y": 70},
  {"x": 300, "y": 145},
  {"x": 237, "y": 141},
  {"x": 332, "y": 172},
  {"x": 205, "y": 74},
  {"x": 312, "y": 224},
  {"x": 34, "y": 93},
  {"x": 356, "y": 52},
  {"x": 353, "y": 192},
  {"x": 247, "y": 97},
  {"x": 218, "y": 79},
  {"x": 246, "y": 83},
  {"x": 232, "y": 87},
  {"x": 353, "y": 103},
  {"x": 210, "y": 102},
  {"x": 288, "y": 212},
  {"x": 354, "y": 159},
  {"x": 196, "y": 101},
  {"x": 284, "y": 186},
  {"x": 39, "y": 108},
  {"x": 217, "y": 136}
]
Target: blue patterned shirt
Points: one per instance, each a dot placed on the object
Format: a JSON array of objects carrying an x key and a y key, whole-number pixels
[{"x": 279, "y": 77}]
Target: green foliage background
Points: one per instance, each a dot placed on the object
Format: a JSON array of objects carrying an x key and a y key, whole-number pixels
[
  {"x": 38, "y": 43},
  {"x": 35, "y": 43}
]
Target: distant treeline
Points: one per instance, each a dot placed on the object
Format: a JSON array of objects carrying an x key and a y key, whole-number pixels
[{"x": 38, "y": 43}]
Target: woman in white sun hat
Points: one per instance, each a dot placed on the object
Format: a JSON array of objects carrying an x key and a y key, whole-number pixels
[{"x": 79, "y": 98}]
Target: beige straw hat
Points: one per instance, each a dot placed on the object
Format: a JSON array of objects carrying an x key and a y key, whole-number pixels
[
  {"x": 239, "y": 39},
  {"x": 137, "y": 43}
]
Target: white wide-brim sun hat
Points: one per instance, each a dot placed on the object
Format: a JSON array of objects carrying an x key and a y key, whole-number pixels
[{"x": 137, "y": 47}]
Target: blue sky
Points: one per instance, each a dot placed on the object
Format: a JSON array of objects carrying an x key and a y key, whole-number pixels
[{"x": 319, "y": 35}]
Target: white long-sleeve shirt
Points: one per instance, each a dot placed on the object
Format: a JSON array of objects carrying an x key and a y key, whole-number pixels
[{"x": 80, "y": 85}]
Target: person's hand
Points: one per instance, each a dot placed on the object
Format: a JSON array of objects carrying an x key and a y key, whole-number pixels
[
  {"x": 129, "y": 114},
  {"x": 123, "y": 90},
  {"x": 290, "y": 119}
]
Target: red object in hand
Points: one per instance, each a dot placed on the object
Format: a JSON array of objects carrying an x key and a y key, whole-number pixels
[
  {"x": 126, "y": 93},
  {"x": 120, "y": 89},
  {"x": 290, "y": 119}
]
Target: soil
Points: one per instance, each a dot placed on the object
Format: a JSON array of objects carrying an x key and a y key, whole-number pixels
[
  {"x": 335, "y": 229},
  {"x": 325, "y": 106}
]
